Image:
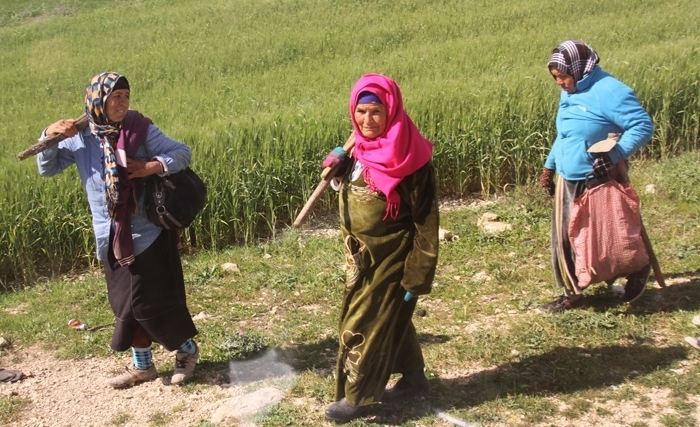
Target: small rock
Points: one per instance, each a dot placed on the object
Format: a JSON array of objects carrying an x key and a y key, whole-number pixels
[
  {"x": 421, "y": 313},
  {"x": 650, "y": 189},
  {"x": 496, "y": 227},
  {"x": 488, "y": 217},
  {"x": 444, "y": 234},
  {"x": 515, "y": 353},
  {"x": 481, "y": 276},
  {"x": 230, "y": 267},
  {"x": 4, "y": 344}
]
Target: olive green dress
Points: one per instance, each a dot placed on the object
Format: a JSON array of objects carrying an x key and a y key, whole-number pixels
[{"x": 384, "y": 259}]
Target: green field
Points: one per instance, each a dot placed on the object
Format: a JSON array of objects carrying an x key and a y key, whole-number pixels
[{"x": 259, "y": 90}]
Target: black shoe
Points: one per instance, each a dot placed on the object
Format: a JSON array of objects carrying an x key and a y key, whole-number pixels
[
  {"x": 341, "y": 411},
  {"x": 636, "y": 284},
  {"x": 408, "y": 384},
  {"x": 560, "y": 304}
]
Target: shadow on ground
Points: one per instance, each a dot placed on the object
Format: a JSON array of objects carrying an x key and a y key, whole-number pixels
[
  {"x": 683, "y": 296},
  {"x": 562, "y": 370}
]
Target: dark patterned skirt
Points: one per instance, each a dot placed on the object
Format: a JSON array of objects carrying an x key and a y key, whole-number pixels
[{"x": 150, "y": 294}]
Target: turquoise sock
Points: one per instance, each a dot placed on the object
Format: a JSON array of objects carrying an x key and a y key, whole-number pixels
[
  {"x": 143, "y": 357},
  {"x": 188, "y": 347}
]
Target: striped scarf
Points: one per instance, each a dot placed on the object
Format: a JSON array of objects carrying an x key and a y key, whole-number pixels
[
  {"x": 574, "y": 58},
  {"x": 96, "y": 95}
]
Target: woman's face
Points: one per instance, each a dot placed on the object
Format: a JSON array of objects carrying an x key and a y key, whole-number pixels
[
  {"x": 371, "y": 119},
  {"x": 117, "y": 105},
  {"x": 565, "y": 81}
]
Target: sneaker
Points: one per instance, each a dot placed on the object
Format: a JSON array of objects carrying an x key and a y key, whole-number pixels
[
  {"x": 693, "y": 341},
  {"x": 560, "y": 304},
  {"x": 341, "y": 411},
  {"x": 132, "y": 375},
  {"x": 184, "y": 366},
  {"x": 636, "y": 284},
  {"x": 408, "y": 384}
]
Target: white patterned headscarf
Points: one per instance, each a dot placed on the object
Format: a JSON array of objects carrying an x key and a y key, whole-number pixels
[{"x": 574, "y": 58}]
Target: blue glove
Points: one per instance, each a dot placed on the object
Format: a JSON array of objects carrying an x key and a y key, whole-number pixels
[{"x": 335, "y": 157}]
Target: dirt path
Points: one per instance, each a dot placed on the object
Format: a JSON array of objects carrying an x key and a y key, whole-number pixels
[{"x": 68, "y": 393}]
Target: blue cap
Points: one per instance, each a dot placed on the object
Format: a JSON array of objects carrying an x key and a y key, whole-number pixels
[{"x": 367, "y": 97}]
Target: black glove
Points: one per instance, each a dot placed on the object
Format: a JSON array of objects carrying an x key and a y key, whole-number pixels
[
  {"x": 547, "y": 181},
  {"x": 602, "y": 166}
]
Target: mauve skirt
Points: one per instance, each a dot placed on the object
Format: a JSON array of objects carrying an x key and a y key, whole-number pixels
[{"x": 150, "y": 293}]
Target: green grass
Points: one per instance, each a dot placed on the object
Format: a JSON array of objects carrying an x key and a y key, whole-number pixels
[
  {"x": 10, "y": 406},
  {"x": 490, "y": 358},
  {"x": 259, "y": 90},
  {"x": 120, "y": 419}
]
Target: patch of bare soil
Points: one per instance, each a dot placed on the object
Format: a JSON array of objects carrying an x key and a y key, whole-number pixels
[
  {"x": 62, "y": 393},
  {"x": 68, "y": 393}
]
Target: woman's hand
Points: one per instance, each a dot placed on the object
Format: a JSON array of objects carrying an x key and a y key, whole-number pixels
[
  {"x": 143, "y": 168},
  {"x": 335, "y": 157},
  {"x": 64, "y": 127},
  {"x": 602, "y": 166},
  {"x": 547, "y": 181}
]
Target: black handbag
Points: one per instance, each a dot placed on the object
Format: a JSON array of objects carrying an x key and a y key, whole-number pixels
[{"x": 174, "y": 201}]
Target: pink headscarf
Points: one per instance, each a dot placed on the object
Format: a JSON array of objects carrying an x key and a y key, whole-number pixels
[{"x": 398, "y": 152}]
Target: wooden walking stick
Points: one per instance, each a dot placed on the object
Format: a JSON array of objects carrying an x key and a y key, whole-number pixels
[
  {"x": 48, "y": 142},
  {"x": 326, "y": 176}
]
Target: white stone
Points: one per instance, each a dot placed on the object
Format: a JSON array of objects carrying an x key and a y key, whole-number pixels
[{"x": 229, "y": 266}]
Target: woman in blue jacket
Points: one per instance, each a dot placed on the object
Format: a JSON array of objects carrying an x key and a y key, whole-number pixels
[
  {"x": 593, "y": 104},
  {"x": 145, "y": 284}
]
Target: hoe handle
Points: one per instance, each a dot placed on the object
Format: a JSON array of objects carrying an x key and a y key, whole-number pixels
[
  {"x": 48, "y": 142},
  {"x": 326, "y": 176}
]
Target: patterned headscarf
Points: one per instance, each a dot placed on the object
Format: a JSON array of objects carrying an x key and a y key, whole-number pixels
[
  {"x": 96, "y": 94},
  {"x": 574, "y": 58},
  {"x": 397, "y": 153}
]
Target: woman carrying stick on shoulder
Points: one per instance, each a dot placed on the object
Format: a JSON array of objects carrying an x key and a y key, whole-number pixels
[{"x": 145, "y": 284}]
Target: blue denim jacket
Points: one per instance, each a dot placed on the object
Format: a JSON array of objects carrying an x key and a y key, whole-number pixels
[{"x": 85, "y": 150}]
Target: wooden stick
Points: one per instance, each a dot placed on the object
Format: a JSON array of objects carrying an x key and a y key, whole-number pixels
[
  {"x": 652, "y": 259},
  {"x": 48, "y": 142},
  {"x": 326, "y": 176}
]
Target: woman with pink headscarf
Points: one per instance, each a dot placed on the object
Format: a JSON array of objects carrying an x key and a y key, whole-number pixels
[{"x": 389, "y": 219}]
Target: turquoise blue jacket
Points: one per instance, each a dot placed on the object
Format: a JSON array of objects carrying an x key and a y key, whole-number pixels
[{"x": 601, "y": 105}]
